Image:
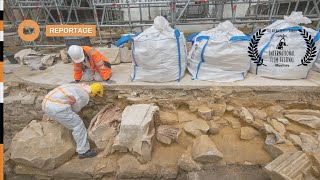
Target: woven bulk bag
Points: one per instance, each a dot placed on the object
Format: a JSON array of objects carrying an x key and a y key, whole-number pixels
[
  {"x": 219, "y": 54},
  {"x": 284, "y": 50},
  {"x": 158, "y": 54}
]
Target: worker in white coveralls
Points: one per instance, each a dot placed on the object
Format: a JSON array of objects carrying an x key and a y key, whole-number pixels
[{"x": 64, "y": 102}]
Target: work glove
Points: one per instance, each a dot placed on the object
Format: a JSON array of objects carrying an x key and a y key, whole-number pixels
[
  {"x": 109, "y": 81},
  {"x": 76, "y": 81}
]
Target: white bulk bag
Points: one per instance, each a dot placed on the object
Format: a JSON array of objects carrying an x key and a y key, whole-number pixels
[
  {"x": 316, "y": 65},
  {"x": 159, "y": 53},
  {"x": 284, "y": 50},
  {"x": 219, "y": 54}
]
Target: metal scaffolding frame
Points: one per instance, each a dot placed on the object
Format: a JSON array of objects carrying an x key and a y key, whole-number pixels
[{"x": 108, "y": 14}]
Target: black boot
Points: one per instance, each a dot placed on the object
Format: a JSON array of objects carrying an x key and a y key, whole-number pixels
[{"x": 89, "y": 154}]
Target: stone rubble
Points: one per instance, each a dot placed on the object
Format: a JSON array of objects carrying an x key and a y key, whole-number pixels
[
  {"x": 295, "y": 139},
  {"x": 166, "y": 134},
  {"x": 275, "y": 150},
  {"x": 168, "y": 117},
  {"x": 213, "y": 127},
  {"x": 309, "y": 144},
  {"x": 218, "y": 109},
  {"x": 104, "y": 125},
  {"x": 204, "y": 150},
  {"x": 309, "y": 120},
  {"x": 205, "y": 112},
  {"x": 273, "y": 136},
  {"x": 137, "y": 131},
  {"x": 248, "y": 133},
  {"x": 246, "y": 115},
  {"x": 258, "y": 113},
  {"x": 187, "y": 163},
  {"x": 289, "y": 166},
  {"x": 42, "y": 145},
  {"x": 64, "y": 56},
  {"x": 283, "y": 121},
  {"x": 279, "y": 127},
  {"x": 196, "y": 127}
]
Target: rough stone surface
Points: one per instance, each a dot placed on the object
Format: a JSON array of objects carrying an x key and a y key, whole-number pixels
[
  {"x": 137, "y": 130},
  {"x": 274, "y": 111},
  {"x": 278, "y": 126},
  {"x": 205, "y": 112},
  {"x": 258, "y": 113},
  {"x": 168, "y": 117},
  {"x": 112, "y": 54},
  {"x": 309, "y": 120},
  {"x": 273, "y": 136},
  {"x": 219, "y": 109},
  {"x": 308, "y": 112},
  {"x": 64, "y": 56},
  {"x": 309, "y": 144},
  {"x": 275, "y": 150},
  {"x": 316, "y": 159},
  {"x": 283, "y": 121},
  {"x": 196, "y": 127},
  {"x": 103, "y": 126},
  {"x": 185, "y": 116},
  {"x": 204, "y": 150},
  {"x": 42, "y": 145},
  {"x": 289, "y": 166},
  {"x": 166, "y": 134},
  {"x": 187, "y": 163},
  {"x": 246, "y": 115},
  {"x": 295, "y": 139},
  {"x": 214, "y": 127},
  {"x": 248, "y": 133},
  {"x": 28, "y": 99},
  {"x": 125, "y": 55},
  {"x": 229, "y": 108},
  {"x": 235, "y": 122}
]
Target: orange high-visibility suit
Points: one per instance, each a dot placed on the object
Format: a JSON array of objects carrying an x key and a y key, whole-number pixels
[{"x": 96, "y": 62}]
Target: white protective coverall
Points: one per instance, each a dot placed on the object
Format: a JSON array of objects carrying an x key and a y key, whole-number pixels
[{"x": 63, "y": 103}]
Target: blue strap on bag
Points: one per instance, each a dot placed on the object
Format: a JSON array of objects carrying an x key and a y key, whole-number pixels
[
  {"x": 177, "y": 35},
  {"x": 191, "y": 37},
  {"x": 199, "y": 38},
  {"x": 240, "y": 38}
]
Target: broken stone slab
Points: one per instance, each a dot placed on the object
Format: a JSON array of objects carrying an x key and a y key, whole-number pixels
[
  {"x": 295, "y": 139},
  {"x": 308, "y": 112},
  {"x": 185, "y": 116},
  {"x": 28, "y": 99},
  {"x": 104, "y": 125},
  {"x": 42, "y": 145},
  {"x": 48, "y": 60},
  {"x": 213, "y": 127},
  {"x": 168, "y": 117},
  {"x": 258, "y": 113},
  {"x": 248, "y": 133},
  {"x": 309, "y": 144},
  {"x": 187, "y": 163},
  {"x": 64, "y": 56},
  {"x": 316, "y": 159},
  {"x": 283, "y": 121},
  {"x": 274, "y": 111},
  {"x": 196, "y": 127},
  {"x": 218, "y": 109},
  {"x": 229, "y": 108},
  {"x": 279, "y": 127},
  {"x": 289, "y": 166},
  {"x": 246, "y": 116},
  {"x": 309, "y": 120},
  {"x": 137, "y": 130},
  {"x": 205, "y": 151},
  {"x": 112, "y": 54},
  {"x": 205, "y": 112},
  {"x": 21, "y": 55},
  {"x": 275, "y": 150},
  {"x": 166, "y": 134}
]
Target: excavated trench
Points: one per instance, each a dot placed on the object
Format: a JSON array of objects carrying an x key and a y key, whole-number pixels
[{"x": 243, "y": 157}]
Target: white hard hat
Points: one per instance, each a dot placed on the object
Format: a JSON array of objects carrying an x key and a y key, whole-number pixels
[{"x": 76, "y": 53}]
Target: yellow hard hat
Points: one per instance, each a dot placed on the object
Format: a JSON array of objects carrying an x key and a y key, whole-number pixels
[{"x": 96, "y": 89}]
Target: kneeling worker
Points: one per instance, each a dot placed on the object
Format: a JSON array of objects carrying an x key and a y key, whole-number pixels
[
  {"x": 64, "y": 102},
  {"x": 89, "y": 64}
]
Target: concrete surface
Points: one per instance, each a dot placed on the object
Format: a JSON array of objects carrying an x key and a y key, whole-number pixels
[{"x": 63, "y": 73}]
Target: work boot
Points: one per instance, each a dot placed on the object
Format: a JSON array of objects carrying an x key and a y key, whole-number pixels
[{"x": 89, "y": 154}]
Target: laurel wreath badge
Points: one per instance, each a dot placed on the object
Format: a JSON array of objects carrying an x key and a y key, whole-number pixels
[{"x": 305, "y": 61}]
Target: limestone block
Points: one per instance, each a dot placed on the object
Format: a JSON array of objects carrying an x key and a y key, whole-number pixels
[
  {"x": 112, "y": 54},
  {"x": 204, "y": 150},
  {"x": 168, "y": 117},
  {"x": 246, "y": 115},
  {"x": 137, "y": 130},
  {"x": 289, "y": 166},
  {"x": 166, "y": 134},
  {"x": 275, "y": 150},
  {"x": 273, "y": 136},
  {"x": 187, "y": 163},
  {"x": 42, "y": 145},
  {"x": 64, "y": 56},
  {"x": 309, "y": 144},
  {"x": 28, "y": 99},
  {"x": 185, "y": 116},
  {"x": 308, "y": 112},
  {"x": 196, "y": 127},
  {"x": 205, "y": 112},
  {"x": 125, "y": 55},
  {"x": 295, "y": 139},
  {"x": 283, "y": 121},
  {"x": 309, "y": 120},
  {"x": 104, "y": 126},
  {"x": 214, "y": 127},
  {"x": 278, "y": 126},
  {"x": 48, "y": 60},
  {"x": 248, "y": 133},
  {"x": 258, "y": 113},
  {"x": 219, "y": 109}
]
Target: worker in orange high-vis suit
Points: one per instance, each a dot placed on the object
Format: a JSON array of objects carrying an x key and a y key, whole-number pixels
[
  {"x": 89, "y": 64},
  {"x": 62, "y": 105}
]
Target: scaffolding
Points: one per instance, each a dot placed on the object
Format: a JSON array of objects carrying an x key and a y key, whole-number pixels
[{"x": 135, "y": 15}]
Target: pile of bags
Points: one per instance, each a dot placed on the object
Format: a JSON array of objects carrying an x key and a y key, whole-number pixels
[
  {"x": 158, "y": 54},
  {"x": 219, "y": 54}
]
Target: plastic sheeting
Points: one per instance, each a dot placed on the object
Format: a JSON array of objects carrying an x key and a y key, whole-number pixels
[
  {"x": 159, "y": 53},
  {"x": 285, "y": 49},
  {"x": 219, "y": 54}
]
